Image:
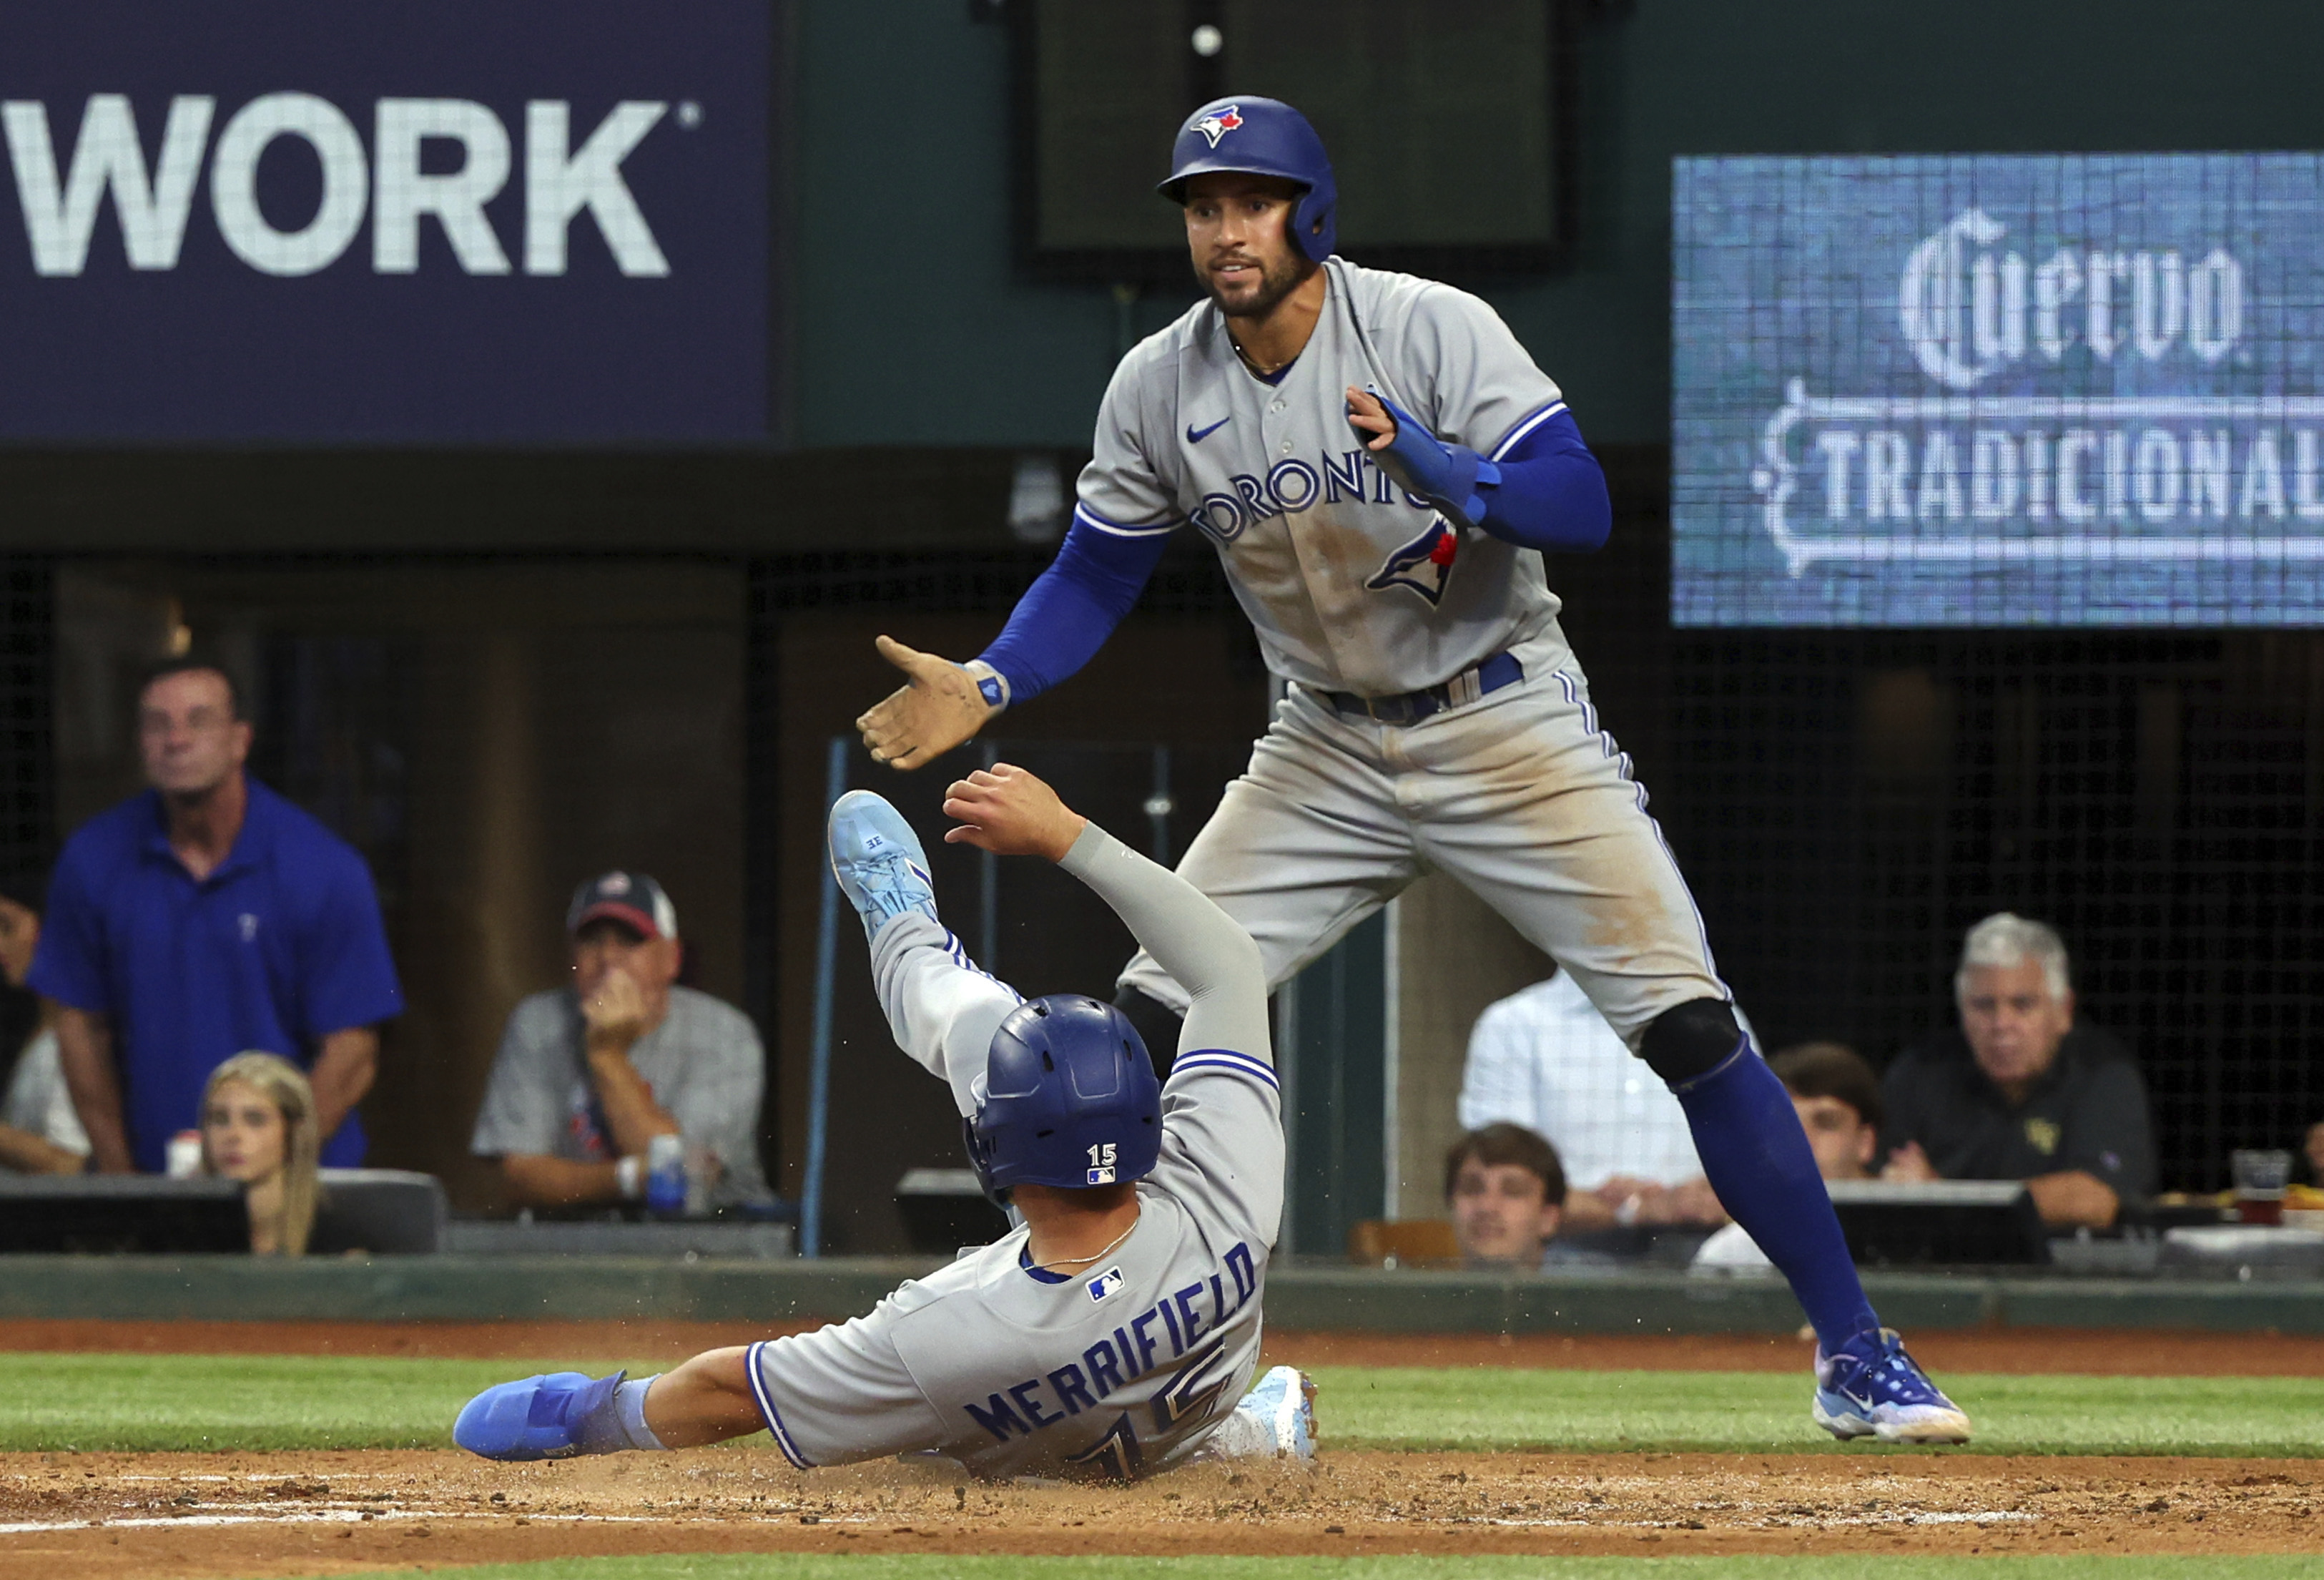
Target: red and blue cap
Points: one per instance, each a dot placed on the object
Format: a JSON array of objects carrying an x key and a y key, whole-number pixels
[{"x": 632, "y": 899}]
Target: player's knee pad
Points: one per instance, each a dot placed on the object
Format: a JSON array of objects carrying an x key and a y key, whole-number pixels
[
  {"x": 1684, "y": 1044},
  {"x": 1157, "y": 1023}
]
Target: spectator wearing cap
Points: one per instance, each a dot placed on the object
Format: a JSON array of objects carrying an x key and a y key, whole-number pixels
[
  {"x": 2023, "y": 1090},
  {"x": 589, "y": 1074},
  {"x": 201, "y": 918}
]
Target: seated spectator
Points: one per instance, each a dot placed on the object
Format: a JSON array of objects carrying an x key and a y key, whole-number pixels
[
  {"x": 203, "y": 917},
  {"x": 40, "y": 1133},
  {"x": 2020, "y": 1090},
  {"x": 258, "y": 1126},
  {"x": 588, "y": 1075},
  {"x": 1503, "y": 1184},
  {"x": 1545, "y": 1059},
  {"x": 1837, "y": 1099}
]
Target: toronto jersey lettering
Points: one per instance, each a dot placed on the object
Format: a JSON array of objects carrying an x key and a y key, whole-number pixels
[
  {"x": 1117, "y": 1369},
  {"x": 1352, "y": 584}
]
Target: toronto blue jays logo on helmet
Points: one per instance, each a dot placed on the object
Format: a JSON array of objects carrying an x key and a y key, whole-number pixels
[
  {"x": 1424, "y": 565},
  {"x": 1217, "y": 125}
]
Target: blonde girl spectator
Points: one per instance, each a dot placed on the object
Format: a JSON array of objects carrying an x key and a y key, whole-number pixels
[{"x": 258, "y": 1126}]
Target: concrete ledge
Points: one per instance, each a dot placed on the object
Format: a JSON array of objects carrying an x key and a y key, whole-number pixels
[{"x": 465, "y": 1289}]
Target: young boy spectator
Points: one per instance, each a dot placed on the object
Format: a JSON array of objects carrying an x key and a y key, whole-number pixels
[
  {"x": 1837, "y": 1099},
  {"x": 1505, "y": 1186}
]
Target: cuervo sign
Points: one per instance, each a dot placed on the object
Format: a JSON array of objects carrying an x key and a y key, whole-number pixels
[{"x": 1999, "y": 390}]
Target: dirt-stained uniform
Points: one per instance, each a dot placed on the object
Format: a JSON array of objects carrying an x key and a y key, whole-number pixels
[{"x": 1359, "y": 588}]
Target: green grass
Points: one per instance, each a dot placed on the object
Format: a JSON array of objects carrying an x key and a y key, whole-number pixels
[
  {"x": 152, "y": 1402},
  {"x": 83, "y": 1401},
  {"x": 1427, "y": 1407},
  {"x": 935, "y": 1567}
]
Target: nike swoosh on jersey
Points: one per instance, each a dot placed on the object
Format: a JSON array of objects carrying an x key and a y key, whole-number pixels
[{"x": 1196, "y": 436}]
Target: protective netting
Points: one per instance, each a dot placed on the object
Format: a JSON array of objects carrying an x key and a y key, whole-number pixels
[
  {"x": 1846, "y": 805},
  {"x": 2073, "y": 397}
]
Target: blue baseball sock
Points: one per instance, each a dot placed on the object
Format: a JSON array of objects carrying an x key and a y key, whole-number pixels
[
  {"x": 617, "y": 1420},
  {"x": 1757, "y": 1158}
]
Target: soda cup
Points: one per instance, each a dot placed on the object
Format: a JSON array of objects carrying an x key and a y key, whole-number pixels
[
  {"x": 2261, "y": 1177},
  {"x": 666, "y": 1175},
  {"x": 183, "y": 1158}
]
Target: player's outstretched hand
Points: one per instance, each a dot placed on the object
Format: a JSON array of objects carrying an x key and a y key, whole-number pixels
[
  {"x": 1011, "y": 812},
  {"x": 1368, "y": 418},
  {"x": 936, "y": 708}
]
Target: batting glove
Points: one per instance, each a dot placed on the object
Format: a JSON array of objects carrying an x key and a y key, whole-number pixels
[{"x": 1447, "y": 475}]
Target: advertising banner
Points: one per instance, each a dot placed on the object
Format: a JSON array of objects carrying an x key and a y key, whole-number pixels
[
  {"x": 526, "y": 222},
  {"x": 1998, "y": 391}
]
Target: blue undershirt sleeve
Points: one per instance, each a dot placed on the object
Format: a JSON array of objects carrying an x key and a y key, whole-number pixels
[
  {"x": 1068, "y": 613},
  {"x": 1552, "y": 493}
]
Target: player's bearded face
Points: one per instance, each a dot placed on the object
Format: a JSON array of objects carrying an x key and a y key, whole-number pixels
[{"x": 1238, "y": 231}]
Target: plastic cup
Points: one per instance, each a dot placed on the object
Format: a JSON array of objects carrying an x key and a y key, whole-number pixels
[
  {"x": 182, "y": 1158},
  {"x": 2260, "y": 1177}
]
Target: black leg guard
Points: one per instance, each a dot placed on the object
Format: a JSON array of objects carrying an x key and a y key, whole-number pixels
[
  {"x": 1687, "y": 1043},
  {"x": 1158, "y": 1026}
]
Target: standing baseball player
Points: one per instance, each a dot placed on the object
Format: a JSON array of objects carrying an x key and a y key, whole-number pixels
[
  {"x": 1114, "y": 1331},
  {"x": 1376, "y": 458}
]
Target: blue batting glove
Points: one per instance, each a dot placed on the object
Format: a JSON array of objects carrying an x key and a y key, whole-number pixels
[{"x": 1447, "y": 475}]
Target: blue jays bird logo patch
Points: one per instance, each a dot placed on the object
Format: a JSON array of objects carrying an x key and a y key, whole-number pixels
[
  {"x": 1424, "y": 566},
  {"x": 1213, "y": 127}
]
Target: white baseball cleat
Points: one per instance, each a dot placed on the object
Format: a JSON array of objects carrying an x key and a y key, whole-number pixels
[
  {"x": 1872, "y": 1389},
  {"x": 1282, "y": 1405},
  {"x": 879, "y": 862}
]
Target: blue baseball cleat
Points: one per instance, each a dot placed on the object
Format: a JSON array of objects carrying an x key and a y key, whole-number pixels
[
  {"x": 541, "y": 1417},
  {"x": 1872, "y": 1389},
  {"x": 879, "y": 862}
]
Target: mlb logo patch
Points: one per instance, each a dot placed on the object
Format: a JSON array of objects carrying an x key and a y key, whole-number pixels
[
  {"x": 1100, "y": 1176},
  {"x": 1105, "y": 1283}
]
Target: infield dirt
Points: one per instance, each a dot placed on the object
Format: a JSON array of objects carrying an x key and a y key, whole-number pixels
[
  {"x": 148, "y": 1517},
  {"x": 205, "y": 1517}
]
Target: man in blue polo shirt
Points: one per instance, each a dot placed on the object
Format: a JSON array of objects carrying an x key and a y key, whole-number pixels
[{"x": 202, "y": 918}]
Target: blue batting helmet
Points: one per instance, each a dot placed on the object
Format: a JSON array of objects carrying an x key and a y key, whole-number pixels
[
  {"x": 1261, "y": 137},
  {"x": 1070, "y": 1100}
]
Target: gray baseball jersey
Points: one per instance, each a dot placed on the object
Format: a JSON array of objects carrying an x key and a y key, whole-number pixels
[
  {"x": 1352, "y": 584},
  {"x": 1124, "y": 1367},
  {"x": 1355, "y": 586}
]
